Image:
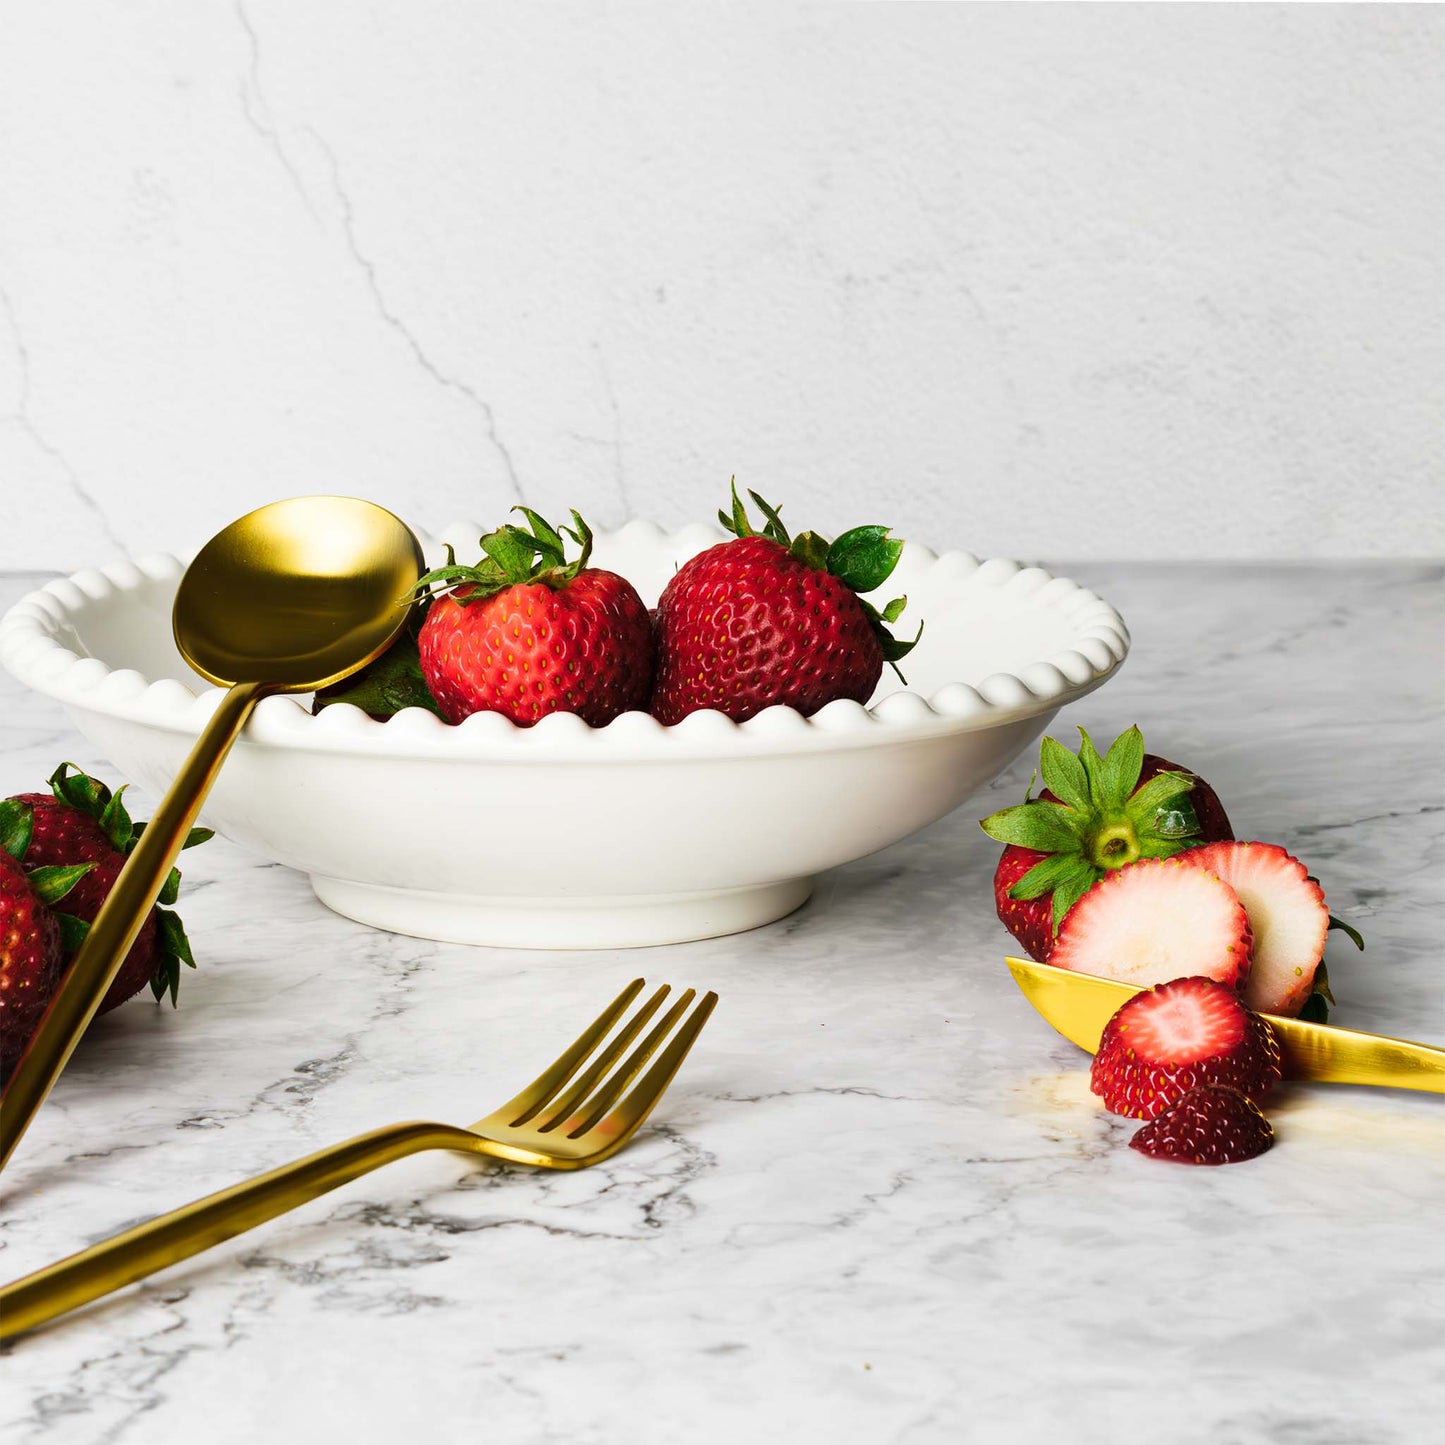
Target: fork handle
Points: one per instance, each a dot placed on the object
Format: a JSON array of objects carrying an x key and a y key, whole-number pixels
[{"x": 142, "y": 1250}]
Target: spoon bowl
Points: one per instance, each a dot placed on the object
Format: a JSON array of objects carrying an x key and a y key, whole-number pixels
[{"x": 298, "y": 594}]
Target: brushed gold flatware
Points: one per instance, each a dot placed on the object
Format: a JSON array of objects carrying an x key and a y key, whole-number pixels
[
  {"x": 289, "y": 598},
  {"x": 1079, "y": 1006},
  {"x": 577, "y": 1112}
]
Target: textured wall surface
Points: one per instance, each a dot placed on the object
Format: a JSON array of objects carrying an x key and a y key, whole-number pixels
[{"x": 1159, "y": 282}]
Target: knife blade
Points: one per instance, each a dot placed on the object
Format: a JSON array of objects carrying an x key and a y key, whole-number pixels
[{"x": 1079, "y": 1005}]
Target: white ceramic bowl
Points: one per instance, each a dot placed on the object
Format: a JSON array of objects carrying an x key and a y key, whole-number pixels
[{"x": 565, "y": 836}]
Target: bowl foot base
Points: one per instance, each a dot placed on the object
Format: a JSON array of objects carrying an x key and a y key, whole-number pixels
[{"x": 571, "y": 923}]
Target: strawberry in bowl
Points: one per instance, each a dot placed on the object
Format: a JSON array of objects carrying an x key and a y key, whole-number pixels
[
  {"x": 525, "y": 632},
  {"x": 768, "y": 619}
]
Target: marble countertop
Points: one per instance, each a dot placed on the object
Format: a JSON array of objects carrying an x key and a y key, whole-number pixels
[{"x": 878, "y": 1204}]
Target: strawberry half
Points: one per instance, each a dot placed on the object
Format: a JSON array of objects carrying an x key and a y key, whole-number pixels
[
  {"x": 1175, "y": 1037},
  {"x": 1287, "y": 915},
  {"x": 1097, "y": 815},
  {"x": 1155, "y": 920},
  {"x": 770, "y": 619},
  {"x": 526, "y": 633},
  {"x": 1213, "y": 1124}
]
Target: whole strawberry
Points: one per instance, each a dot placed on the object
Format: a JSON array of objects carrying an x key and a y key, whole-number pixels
[
  {"x": 32, "y": 935},
  {"x": 1097, "y": 814},
  {"x": 767, "y": 618},
  {"x": 80, "y": 821},
  {"x": 526, "y": 633}
]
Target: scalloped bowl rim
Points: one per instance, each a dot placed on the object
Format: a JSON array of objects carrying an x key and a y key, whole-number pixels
[{"x": 30, "y": 650}]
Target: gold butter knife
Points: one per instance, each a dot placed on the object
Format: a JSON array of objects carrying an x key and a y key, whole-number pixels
[{"x": 1079, "y": 1006}]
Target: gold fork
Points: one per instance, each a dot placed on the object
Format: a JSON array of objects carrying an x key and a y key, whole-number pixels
[{"x": 573, "y": 1114}]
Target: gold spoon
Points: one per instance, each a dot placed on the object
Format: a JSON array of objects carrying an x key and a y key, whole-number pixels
[
  {"x": 1079, "y": 1006},
  {"x": 290, "y": 598}
]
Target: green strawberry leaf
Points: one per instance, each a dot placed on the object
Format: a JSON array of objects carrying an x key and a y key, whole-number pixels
[
  {"x": 775, "y": 528},
  {"x": 174, "y": 949},
  {"x": 487, "y": 574},
  {"x": 17, "y": 823},
  {"x": 864, "y": 557},
  {"x": 166, "y": 978},
  {"x": 384, "y": 687},
  {"x": 1157, "y": 806},
  {"x": 811, "y": 550},
  {"x": 1060, "y": 870},
  {"x": 1175, "y": 820},
  {"x": 1045, "y": 827},
  {"x": 115, "y": 820},
  {"x": 512, "y": 550},
  {"x": 738, "y": 523},
  {"x": 1351, "y": 933},
  {"x": 171, "y": 889},
  {"x": 1152, "y": 846},
  {"x": 194, "y": 838},
  {"x": 894, "y": 610},
  {"x": 1093, "y": 767},
  {"x": 1064, "y": 774},
  {"x": 544, "y": 532},
  {"x": 81, "y": 791},
  {"x": 1122, "y": 765},
  {"x": 580, "y": 533},
  {"x": 895, "y": 649},
  {"x": 52, "y": 884},
  {"x": 72, "y": 932},
  {"x": 1067, "y": 894},
  {"x": 1317, "y": 1006}
]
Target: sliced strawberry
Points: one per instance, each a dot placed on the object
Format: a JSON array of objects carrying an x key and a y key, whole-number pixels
[
  {"x": 1287, "y": 916},
  {"x": 1157, "y": 919},
  {"x": 1213, "y": 1124},
  {"x": 1175, "y": 1037}
]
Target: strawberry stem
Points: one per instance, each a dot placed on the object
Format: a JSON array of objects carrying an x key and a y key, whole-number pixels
[
  {"x": 1115, "y": 845},
  {"x": 511, "y": 557}
]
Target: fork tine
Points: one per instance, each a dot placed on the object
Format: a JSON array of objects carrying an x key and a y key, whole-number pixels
[
  {"x": 536, "y": 1094},
  {"x": 627, "y": 1118},
  {"x": 597, "y": 1105},
  {"x": 564, "y": 1106}
]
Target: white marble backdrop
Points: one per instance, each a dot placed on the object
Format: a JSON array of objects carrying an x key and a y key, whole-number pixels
[{"x": 1158, "y": 281}]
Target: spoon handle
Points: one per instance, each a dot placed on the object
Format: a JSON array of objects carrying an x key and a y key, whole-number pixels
[{"x": 120, "y": 919}]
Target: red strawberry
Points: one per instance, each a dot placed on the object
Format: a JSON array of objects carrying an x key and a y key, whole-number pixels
[
  {"x": 767, "y": 619},
  {"x": 1157, "y": 919},
  {"x": 31, "y": 935},
  {"x": 1288, "y": 917},
  {"x": 80, "y": 821},
  {"x": 1213, "y": 1124},
  {"x": 526, "y": 633},
  {"x": 1096, "y": 815},
  {"x": 1175, "y": 1037}
]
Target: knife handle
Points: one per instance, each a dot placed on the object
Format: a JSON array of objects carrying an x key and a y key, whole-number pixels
[{"x": 1346, "y": 1056}]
